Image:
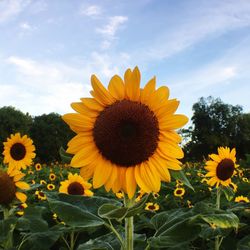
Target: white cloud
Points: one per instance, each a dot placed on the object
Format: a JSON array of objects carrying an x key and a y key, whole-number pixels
[
  {"x": 91, "y": 11},
  {"x": 25, "y": 26},
  {"x": 11, "y": 8},
  {"x": 50, "y": 86},
  {"x": 113, "y": 25}
]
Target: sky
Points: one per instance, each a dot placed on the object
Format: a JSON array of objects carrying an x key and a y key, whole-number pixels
[{"x": 50, "y": 49}]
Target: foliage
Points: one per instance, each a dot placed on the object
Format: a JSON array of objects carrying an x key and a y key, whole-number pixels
[
  {"x": 216, "y": 124},
  {"x": 49, "y": 133}
]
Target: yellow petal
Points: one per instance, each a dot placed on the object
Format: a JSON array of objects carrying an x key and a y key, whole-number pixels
[
  {"x": 140, "y": 180},
  {"x": 87, "y": 172},
  {"x": 116, "y": 87},
  {"x": 130, "y": 182},
  {"x": 113, "y": 177},
  {"x": 22, "y": 185},
  {"x": 215, "y": 157},
  {"x": 161, "y": 168},
  {"x": 173, "y": 122},
  {"x": 101, "y": 94},
  {"x": 92, "y": 104},
  {"x": 169, "y": 150},
  {"x": 148, "y": 90},
  {"x": 102, "y": 173},
  {"x": 168, "y": 109},
  {"x": 21, "y": 196},
  {"x": 83, "y": 109},
  {"x": 132, "y": 87}
]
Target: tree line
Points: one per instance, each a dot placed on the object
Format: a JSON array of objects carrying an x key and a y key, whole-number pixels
[{"x": 214, "y": 124}]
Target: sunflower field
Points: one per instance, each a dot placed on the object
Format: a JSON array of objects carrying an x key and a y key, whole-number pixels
[{"x": 120, "y": 183}]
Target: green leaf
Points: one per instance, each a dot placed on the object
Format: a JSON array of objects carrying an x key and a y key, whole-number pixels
[
  {"x": 179, "y": 175},
  {"x": 74, "y": 216},
  {"x": 40, "y": 241},
  {"x": 110, "y": 211},
  {"x": 222, "y": 220},
  {"x": 66, "y": 158},
  {"x": 244, "y": 243},
  {"x": 5, "y": 227},
  {"x": 95, "y": 245},
  {"x": 137, "y": 207},
  {"x": 229, "y": 193}
]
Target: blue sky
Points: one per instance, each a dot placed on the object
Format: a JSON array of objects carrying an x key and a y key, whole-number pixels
[{"x": 49, "y": 49}]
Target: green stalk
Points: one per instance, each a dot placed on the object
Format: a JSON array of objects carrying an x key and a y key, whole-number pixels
[
  {"x": 217, "y": 239},
  {"x": 129, "y": 226},
  {"x": 9, "y": 242}
]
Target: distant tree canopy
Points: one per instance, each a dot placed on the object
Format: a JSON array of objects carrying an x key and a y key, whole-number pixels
[
  {"x": 216, "y": 124},
  {"x": 49, "y": 132},
  {"x": 13, "y": 121}
]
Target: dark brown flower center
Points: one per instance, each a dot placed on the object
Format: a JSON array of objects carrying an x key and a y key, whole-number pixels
[
  {"x": 151, "y": 207},
  {"x": 179, "y": 191},
  {"x": 225, "y": 169},
  {"x": 75, "y": 188},
  {"x": 41, "y": 194},
  {"x": 18, "y": 151},
  {"x": 7, "y": 189},
  {"x": 126, "y": 133}
]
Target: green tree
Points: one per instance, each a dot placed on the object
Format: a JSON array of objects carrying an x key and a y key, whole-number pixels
[
  {"x": 13, "y": 121},
  {"x": 216, "y": 124},
  {"x": 49, "y": 132}
]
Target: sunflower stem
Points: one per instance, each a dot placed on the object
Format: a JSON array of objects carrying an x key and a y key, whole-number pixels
[
  {"x": 217, "y": 239},
  {"x": 9, "y": 242},
  {"x": 129, "y": 225}
]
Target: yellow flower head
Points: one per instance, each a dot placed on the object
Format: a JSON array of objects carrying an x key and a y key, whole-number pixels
[
  {"x": 150, "y": 206},
  {"x": 11, "y": 186},
  {"x": 76, "y": 185},
  {"x": 21, "y": 207},
  {"x": 52, "y": 176},
  {"x": 119, "y": 195},
  {"x": 245, "y": 179},
  {"x": 126, "y": 132},
  {"x": 41, "y": 195},
  {"x": 221, "y": 167},
  {"x": 43, "y": 182},
  {"x": 38, "y": 167},
  {"x": 18, "y": 151},
  {"x": 242, "y": 199},
  {"x": 179, "y": 192},
  {"x": 50, "y": 186},
  {"x": 204, "y": 180}
]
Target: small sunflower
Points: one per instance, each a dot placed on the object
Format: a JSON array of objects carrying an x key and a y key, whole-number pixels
[
  {"x": 120, "y": 195},
  {"x": 221, "y": 167},
  {"x": 126, "y": 132},
  {"x": 30, "y": 172},
  {"x": 245, "y": 179},
  {"x": 179, "y": 192},
  {"x": 41, "y": 195},
  {"x": 38, "y": 167},
  {"x": 20, "y": 209},
  {"x": 189, "y": 204},
  {"x": 57, "y": 219},
  {"x": 75, "y": 185},
  {"x": 18, "y": 151},
  {"x": 33, "y": 182},
  {"x": 140, "y": 194},
  {"x": 155, "y": 195},
  {"x": 43, "y": 182},
  {"x": 11, "y": 186},
  {"x": 50, "y": 186},
  {"x": 233, "y": 186},
  {"x": 241, "y": 198},
  {"x": 52, "y": 176},
  {"x": 150, "y": 206}
]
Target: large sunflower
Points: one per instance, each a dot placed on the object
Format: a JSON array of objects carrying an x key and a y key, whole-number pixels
[
  {"x": 18, "y": 151},
  {"x": 11, "y": 186},
  {"x": 125, "y": 134},
  {"x": 221, "y": 167}
]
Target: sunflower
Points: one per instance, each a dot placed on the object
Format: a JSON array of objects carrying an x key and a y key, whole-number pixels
[
  {"x": 241, "y": 198},
  {"x": 33, "y": 182},
  {"x": 50, "y": 186},
  {"x": 10, "y": 183},
  {"x": 150, "y": 206},
  {"x": 43, "y": 182},
  {"x": 221, "y": 167},
  {"x": 41, "y": 195},
  {"x": 119, "y": 195},
  {"x": 245, "y": 179},
  {"x": 127, "y": 133},
  {"x": 21, "y": 207},
  {"x": 18, "y": 151},
  {"x": 155, "y": 195},
  {"x": 75, "y": 185},
  {"x": 179, "y": 192},
  {"x": 52, "y": 176},
  {"x": 189, "y": 204},
  {"x": 38, "y": 167}
]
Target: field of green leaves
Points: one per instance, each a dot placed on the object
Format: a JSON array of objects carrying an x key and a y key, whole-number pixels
[{"x": 183, "y": 215}]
